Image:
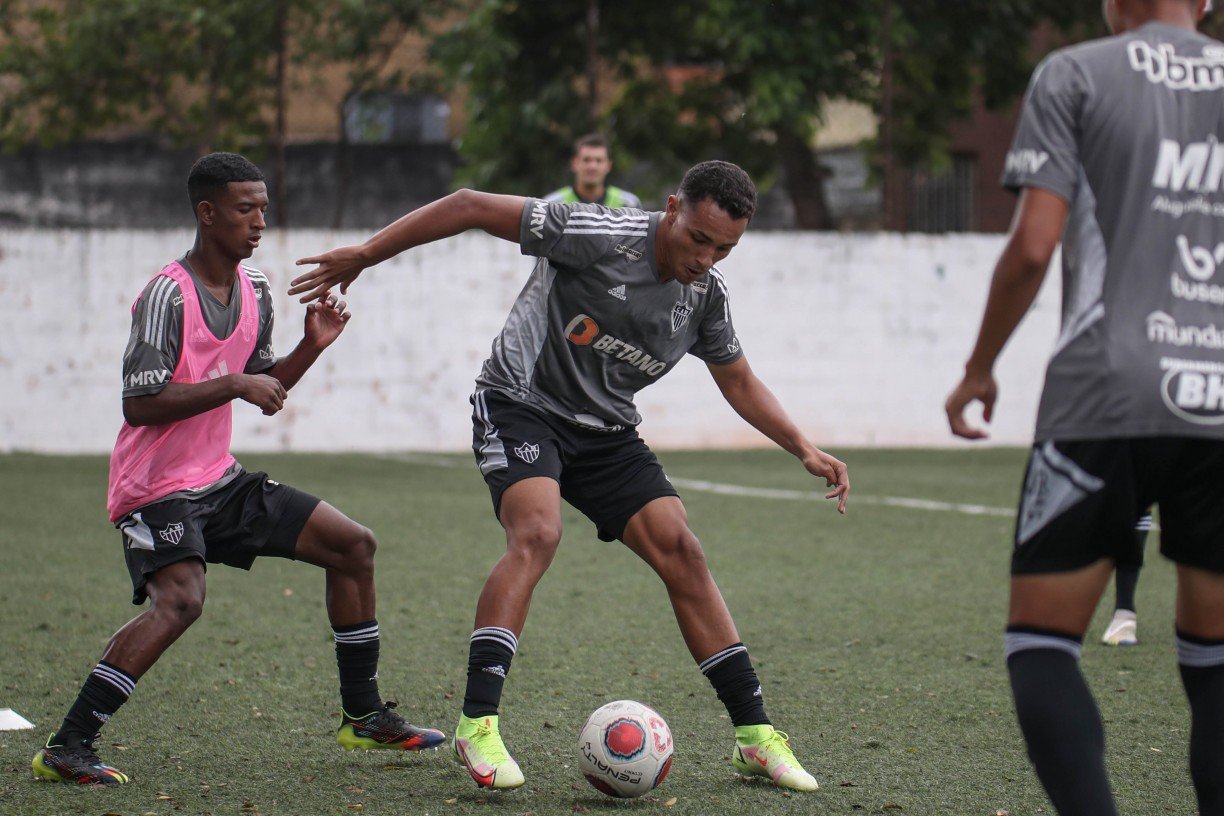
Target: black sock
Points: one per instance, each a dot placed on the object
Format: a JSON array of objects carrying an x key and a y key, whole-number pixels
[
  {"x": 357, "y": 658},
  {"x": 489, "y": 654},
  {"x": 106, "y": 688},
  {"x": 735, "y": 682},
  {"x": 1202, "y": 670},
  {"x": 1126, "y": 578},
  {"x": 1125, "y": 581},
  {"x": 1060, "y": 721}
]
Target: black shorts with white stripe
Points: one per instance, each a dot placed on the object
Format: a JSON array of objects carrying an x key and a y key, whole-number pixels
[
  {"x": 251, "y": 516},
  {"x": 1083, "y": 500},
  {"x": 608, "y": 476}
]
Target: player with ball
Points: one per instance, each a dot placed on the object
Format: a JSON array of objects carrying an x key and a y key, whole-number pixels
[{"x": 617, "y": 298}]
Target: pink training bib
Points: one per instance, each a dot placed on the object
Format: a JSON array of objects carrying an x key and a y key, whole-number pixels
[{"x": 153, "y": 461}]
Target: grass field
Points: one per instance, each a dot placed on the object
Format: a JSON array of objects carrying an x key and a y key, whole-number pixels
[{"x": 878, "y": 637}]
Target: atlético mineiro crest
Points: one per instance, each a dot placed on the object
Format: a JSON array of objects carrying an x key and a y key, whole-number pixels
[
  {"x": 680, "y": 315},
  {"x": 173, "y": 533},
  {"x": 528, "y": 452}
]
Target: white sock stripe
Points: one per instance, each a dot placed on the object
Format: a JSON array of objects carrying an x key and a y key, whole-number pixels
[
  {"x": 496, "y": 633},
  {"x": 357, "y": 635},
  {"x": 1198, "y": 655},
  {"x": 120, "y": 680},
  {"x": 1025, "y": 641},
  {"x": 1144, "y": 523},
  {"x": 714, "y": 660}
]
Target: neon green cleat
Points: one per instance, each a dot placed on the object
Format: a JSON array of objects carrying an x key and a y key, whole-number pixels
[
  {"x": 762, "y": 751},
  {"x": 479, "y": 746}
]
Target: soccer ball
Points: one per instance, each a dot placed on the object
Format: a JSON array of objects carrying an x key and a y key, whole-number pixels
[{"x": 625, "y": 749}]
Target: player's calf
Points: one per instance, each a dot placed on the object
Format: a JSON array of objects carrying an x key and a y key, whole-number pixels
[
  {"x": 1201, "y": 662},
  {"x": 1059, "y": 719}
]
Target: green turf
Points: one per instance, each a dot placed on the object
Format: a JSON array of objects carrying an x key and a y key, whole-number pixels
[{"x": 877, "y": 637}]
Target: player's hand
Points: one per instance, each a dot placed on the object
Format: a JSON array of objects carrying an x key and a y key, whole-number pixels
[
  {"x": 835, "y": 474},
  {"x": 974, "y": 386},
  {"x": 264, "y": 392},
  {"x": 325, "y": 320},
  {"x": 338, "y": 267}
]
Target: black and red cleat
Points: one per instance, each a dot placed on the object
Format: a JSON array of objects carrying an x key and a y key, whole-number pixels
[{"x": 385, "y": 729}]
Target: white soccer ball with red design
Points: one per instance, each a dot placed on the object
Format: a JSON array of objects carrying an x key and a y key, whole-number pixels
[{"x": 625, "y": 749}]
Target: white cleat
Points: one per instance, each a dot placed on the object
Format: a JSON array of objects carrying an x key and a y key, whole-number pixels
[{"x": 1122, "y": 630}]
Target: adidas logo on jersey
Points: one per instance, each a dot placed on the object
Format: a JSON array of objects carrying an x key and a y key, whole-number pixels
[{"x": 618, "y": 292}]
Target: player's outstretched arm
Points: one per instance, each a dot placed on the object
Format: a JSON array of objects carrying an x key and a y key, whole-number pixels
[
  {"x": 498, "y": 215},
  {"x": 1037, "y": 228},
  {"x": 753, "y": 400},
  {"x": 325, "y": 320},
  {"x": 179, "y": 401}
]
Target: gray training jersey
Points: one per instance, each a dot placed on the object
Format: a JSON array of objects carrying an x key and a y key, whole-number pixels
[
  {"x": 157, "y": 329},
  {"x": 593, "y": 325},
  {"x": 1127, "y": 130}
]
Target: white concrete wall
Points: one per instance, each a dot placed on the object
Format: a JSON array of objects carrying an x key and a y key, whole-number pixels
[{"x": 860, "y": 336}]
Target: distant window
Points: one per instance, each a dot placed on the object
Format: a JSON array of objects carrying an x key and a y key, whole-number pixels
[
  {"x": 945, "y": 201},
  {"x": 396, "y": 118}
]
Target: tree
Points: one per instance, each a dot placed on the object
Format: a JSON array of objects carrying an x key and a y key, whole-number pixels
[
  {"x": 207, "y": 75},
  {"x": 744, "y": 80},
  {"x": 196, "y": 74},
  {"x": 362, "y": 36}
]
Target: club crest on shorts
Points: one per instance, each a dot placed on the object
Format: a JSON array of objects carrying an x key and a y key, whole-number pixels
[
  {"x": 680, "y": 315},
  {"x": 528, "y": 452},
  {"x": 173, "y": 533}
]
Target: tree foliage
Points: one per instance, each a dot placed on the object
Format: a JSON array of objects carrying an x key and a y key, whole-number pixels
[
  {"x": 745, "y": 80},
  {"x": 198, "y": 73},
  {"x": 195, "y": 73}
]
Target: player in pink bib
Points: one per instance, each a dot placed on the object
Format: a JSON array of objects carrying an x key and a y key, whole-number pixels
[{"x": 201, "y": 338}]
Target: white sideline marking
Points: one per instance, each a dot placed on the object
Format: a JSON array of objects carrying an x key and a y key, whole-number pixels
[
  {"x": 723, "y": 489},
  {"x": 804, "y": 495}
]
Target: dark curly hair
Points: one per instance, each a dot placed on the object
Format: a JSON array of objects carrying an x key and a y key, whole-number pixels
[
  {"x": 724, "y": 183},
  {"x": 212, "y": 172}
]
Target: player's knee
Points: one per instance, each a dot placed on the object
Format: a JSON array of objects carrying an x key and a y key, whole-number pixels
[
  {"x": 681, "y": 556},
  {"x": 347, "y": 549},
  {"x": 182, "y": 604},
  {"x": 535, "y": 542},
  {"x": 361, "y": 548}
]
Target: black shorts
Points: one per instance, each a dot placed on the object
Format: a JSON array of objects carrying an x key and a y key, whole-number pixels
[
  {"x": 249, "y": 517},
  {"x": 1081, "y": 500},
  {"x": 607, "y": 475}
]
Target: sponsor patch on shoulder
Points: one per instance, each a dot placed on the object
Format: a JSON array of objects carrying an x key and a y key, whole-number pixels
[{"x": 631, "y": 254}]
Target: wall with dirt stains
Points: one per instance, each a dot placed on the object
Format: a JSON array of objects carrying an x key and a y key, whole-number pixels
[{"x": 859, "y": 335}]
